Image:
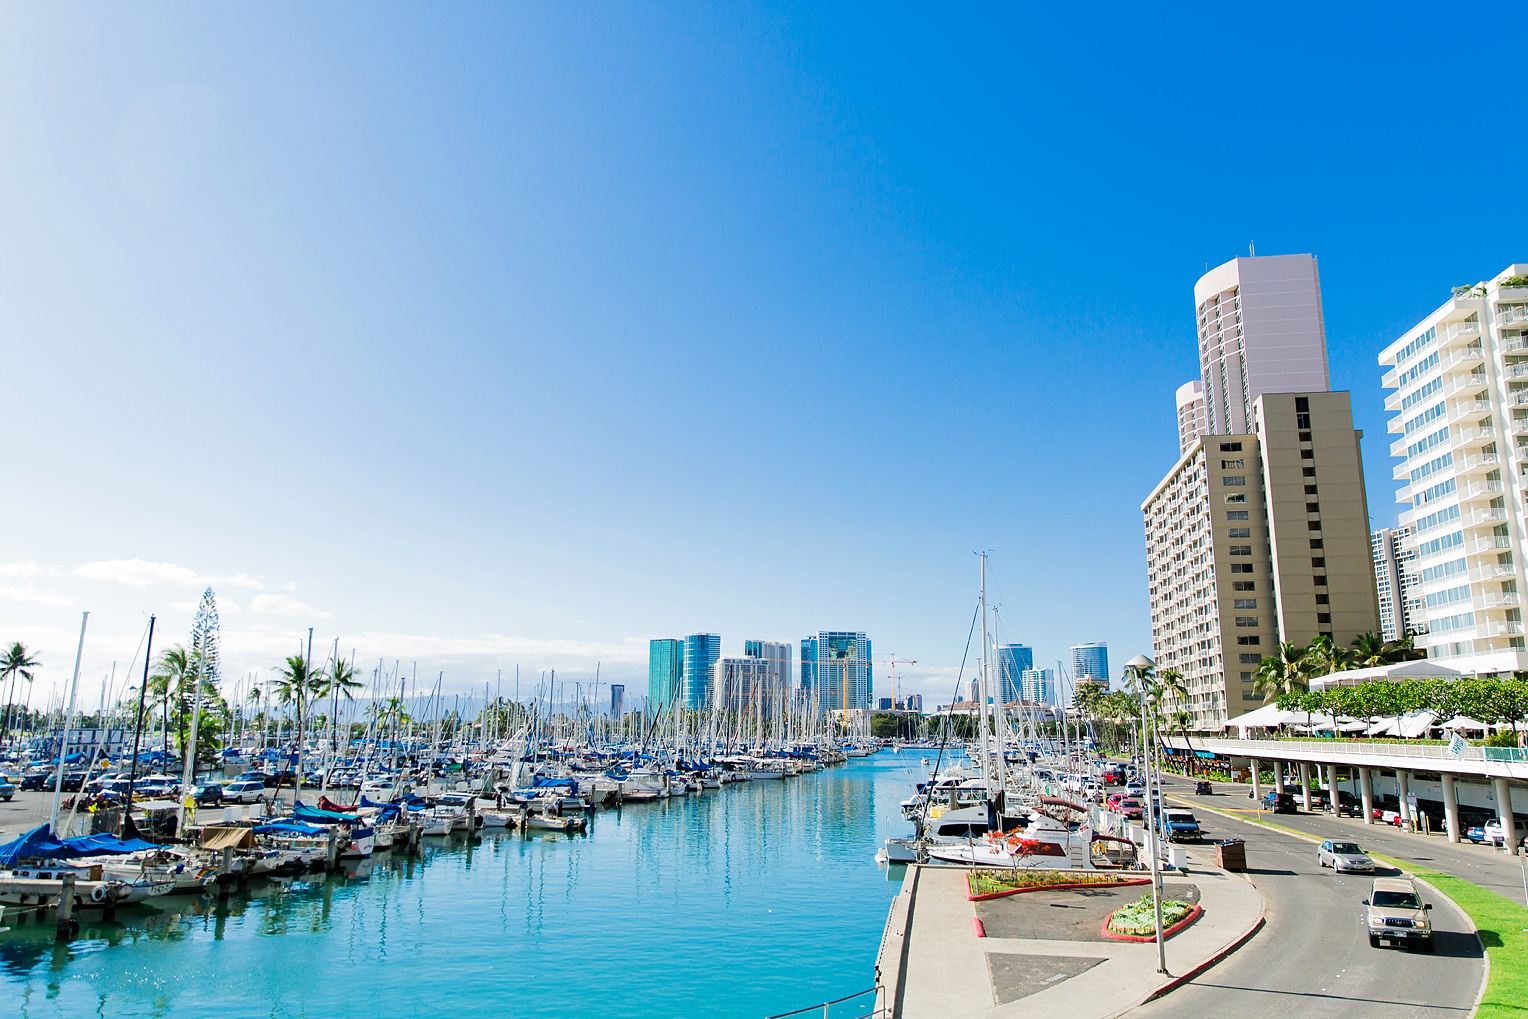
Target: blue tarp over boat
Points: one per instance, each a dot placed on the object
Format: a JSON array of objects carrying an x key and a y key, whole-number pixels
[
  {"x": 289, "y": 828},
  {"x": 39, "y": 843},
  {"x": 312, "y": 815}
]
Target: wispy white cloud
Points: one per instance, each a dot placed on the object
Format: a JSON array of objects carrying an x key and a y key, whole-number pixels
[
  {"x": 281, "y": 605},
  {"x": 142, "y": 573},
  {"x": 31, "y": 593}
]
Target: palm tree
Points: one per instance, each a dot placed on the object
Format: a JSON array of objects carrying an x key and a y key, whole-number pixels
[
  {"x": 17, "y": 661},
  {"x": 1369, "y": 650},
  {"x": 1282, "y": 673},
  {"x": 1324, "y": 657},
  {"x": 174, "y": 680},
  {"x": 296, "y": 683},
  {"x": 338, "y": 679}
]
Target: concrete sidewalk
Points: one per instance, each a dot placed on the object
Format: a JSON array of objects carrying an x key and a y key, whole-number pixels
[{"x": 945, "y": 970}]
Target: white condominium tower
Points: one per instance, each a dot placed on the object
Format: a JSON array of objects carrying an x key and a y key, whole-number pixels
[
  {"x": 1401, "y": 610},
  {"x": 1460, "y": 381},
  {"x": 1190, "y": 414},
  {"x": 1260, "y": 331}
]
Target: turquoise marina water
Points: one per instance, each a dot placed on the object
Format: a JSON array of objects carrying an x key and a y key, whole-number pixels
[{"x": 746, "y": 901}]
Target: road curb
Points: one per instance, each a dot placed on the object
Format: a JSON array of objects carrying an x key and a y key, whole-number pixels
[{"x": 1179, "y": 981}]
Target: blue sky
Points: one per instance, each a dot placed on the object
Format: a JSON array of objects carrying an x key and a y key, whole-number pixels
[{"x": 498, "y": 334}]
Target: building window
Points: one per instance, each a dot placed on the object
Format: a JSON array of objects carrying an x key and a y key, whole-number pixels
[
  {"x": 1302, "y": 403},
  {"x": 1309, "y": 472},
  {"x": 1305, "y": 436},
  {"x": 1244, "y": 603},
  {"x": 1230, "y": 447},
  {"x": 1316, "y": 543},
  {"x": 1239, "y": 532},
  {"x": 1310, "y": 489},
  {"x": 1318, "y": 563},
  {"x": 1241, "y": 567},
  {"x": 1232, "y": 465},
  {"x": 1323, "y": 617},
  {"x": 1322, "y": 599},
  {"x": 1321, "y": 580},
  {"x": 1313, "y": 525},
  {"x": 1244, "y": 585},
  {"x": 1250, "y": 622},
  {"x": 1236, "y": 514},
  {"x": 1313, "y": 507},
  {"x": 1235, "y": 497},
  {"x": 1249, "y": 640},
  {"x": 1241, "y": 549},
  {"x": 1247, "y": 659},
  {"x": 1234, "y": 481},
  {"x": 1307, "y": 454}
]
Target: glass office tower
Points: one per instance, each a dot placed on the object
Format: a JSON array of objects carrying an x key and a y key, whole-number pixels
[
  {"x": 835, "y": 667},
  {"x": 1090, "y": 661},
  {"x": 665, "y": 672},
  {"x": 701, "y": 650},
  {"x": 1012, "y": 660}
]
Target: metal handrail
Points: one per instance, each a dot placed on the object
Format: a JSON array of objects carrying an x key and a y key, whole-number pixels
[{"x": 826, "y": 1004}]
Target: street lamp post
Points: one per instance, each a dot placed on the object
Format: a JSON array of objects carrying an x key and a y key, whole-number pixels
[{"x": 1140, "y": 667}]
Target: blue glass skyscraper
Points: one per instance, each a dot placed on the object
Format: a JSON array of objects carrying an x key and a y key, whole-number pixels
[
  {"x": 1090, "y": 661},
  {"x": 1012, "y": 660},
  {"x": 665, "y": 672},
  {"x": 701, "y": 650},
  {"x": 835, "y": 666}
]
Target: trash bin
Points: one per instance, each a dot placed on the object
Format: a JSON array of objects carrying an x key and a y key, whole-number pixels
[{"x": 1231, "y": 854}]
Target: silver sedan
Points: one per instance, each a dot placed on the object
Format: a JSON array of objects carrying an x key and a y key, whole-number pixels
[{"x": 1344, "y": 857}]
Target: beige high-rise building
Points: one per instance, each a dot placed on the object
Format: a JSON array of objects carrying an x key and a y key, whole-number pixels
[{"x": 1257, "y": 538}]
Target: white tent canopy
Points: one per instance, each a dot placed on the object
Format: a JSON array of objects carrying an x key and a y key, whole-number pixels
[
  {"x": 1269, "y": 716},
  {"x": 1400, "y": 670},
  {"x": 1464, "y": 722},
  {"x": 1409, "y": 726}
]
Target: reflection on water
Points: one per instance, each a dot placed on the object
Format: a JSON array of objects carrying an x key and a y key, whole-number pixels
[{"x": 752, "y": 899}]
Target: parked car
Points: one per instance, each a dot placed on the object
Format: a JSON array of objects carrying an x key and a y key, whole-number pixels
[
  {"x": 1203, "y": 788},
  {"x": 1134, "y": 787},
  {"x": 1495, "y": 833},
  {"x": 1387, "y": 816},
  {"x": 33, "y": 780},
  {"x": 1397, "y": 914},
  {"x": 7, "y": 788},
  {"x": 1349, "y": 805},
  {"x": 1132, "y": 808},
  {"x": 1475, "y": 834},
  {"x": 1344, "y": 857},
  {"x": 244, "y": 790},
  {"x": 208, "y": 794},
  {"x": 1181, "y": 825},
  {"x": 1279, "y": 803}
]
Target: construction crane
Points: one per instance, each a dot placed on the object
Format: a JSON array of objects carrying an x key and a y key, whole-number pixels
[{"x": 892, "y": 661}]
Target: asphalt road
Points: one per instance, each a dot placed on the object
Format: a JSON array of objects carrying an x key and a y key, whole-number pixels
[
  {"x": 1487, "y": 867},
  {"x": 1313, "y": 958}
]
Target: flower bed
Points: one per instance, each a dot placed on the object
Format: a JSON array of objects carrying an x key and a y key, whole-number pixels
[
  {"x": 1138, "y": 921},
  {"x": 994, "y": 884}
]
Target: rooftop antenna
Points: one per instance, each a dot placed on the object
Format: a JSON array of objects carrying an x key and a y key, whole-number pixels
[{"x": 1252, "y": 248}]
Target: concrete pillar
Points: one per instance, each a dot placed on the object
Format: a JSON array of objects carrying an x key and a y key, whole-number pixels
[
  {"x": 1278, "y": 776},
  {"x": 1504, "y": 812},
  {"x": 1257, "y": 785},
  {"x": 1305, "y": 784},
  {"x": 1332, "y": 791},
  {"x": 1402, "y": 789},
  {"x": 1450, "y": 808},
  {"x": 1366, "y": 793}
]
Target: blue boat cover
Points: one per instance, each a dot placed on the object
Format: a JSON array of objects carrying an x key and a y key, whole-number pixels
[
  {"x": 288, "y": 828},
  {"x": 312, "y": 815},
  {"x": 39, "y": 843}
]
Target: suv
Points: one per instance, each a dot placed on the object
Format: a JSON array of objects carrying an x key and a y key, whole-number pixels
[
  {"x": 1496, "y": 833},
  {"x": 244, "y": 790},
  {"x": 1279, "y": 803},
  {"x": 1180, "y": 825},
  {"x": 1397, "y": 914}
]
